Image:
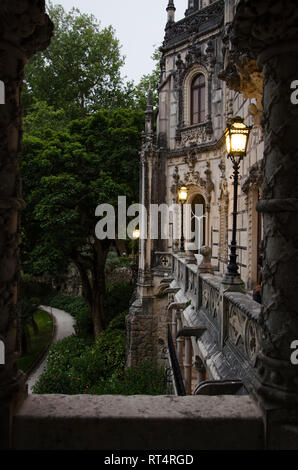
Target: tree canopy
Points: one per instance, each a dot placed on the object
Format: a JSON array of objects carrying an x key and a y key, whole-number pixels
[
  {"x": 80, "y": 70},
  {"x": 65, "y": 176}
]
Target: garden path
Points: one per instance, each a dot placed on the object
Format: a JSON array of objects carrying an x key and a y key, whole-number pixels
[{"x": 64, "y": 326}]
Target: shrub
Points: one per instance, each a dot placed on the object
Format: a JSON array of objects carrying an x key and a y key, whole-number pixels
[
  {"x": 106, "y": 356},
  {"x": 74, "y": 366},
  {"x": 56, "y": 378},
  {"x": 147, "y": 378},
  {"x": 117, "y": 298},
  {"x": 77, "y": 307}
]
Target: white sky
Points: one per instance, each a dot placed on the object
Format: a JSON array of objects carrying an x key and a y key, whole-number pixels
[{"x": 139, "y": 25}]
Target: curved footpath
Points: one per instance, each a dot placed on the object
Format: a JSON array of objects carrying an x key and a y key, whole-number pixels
[{"x": 64, "y": 326}]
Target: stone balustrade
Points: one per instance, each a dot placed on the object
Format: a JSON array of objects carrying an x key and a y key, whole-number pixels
[{"x": 229, "y": 345}]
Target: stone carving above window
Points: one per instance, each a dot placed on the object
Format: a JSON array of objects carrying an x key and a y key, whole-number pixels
[{"x": 197, "y": 135}]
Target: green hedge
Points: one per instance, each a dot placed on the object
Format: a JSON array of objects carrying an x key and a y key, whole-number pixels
[
  {"x": 76, "y": 307},
  {"x": 116, "y": 302},
  {"x": 58, "y": 378},
  {"x": 147, "y": 378},
  {"x": 74, "y": 365},
  {"x": 39, "y": 342}
]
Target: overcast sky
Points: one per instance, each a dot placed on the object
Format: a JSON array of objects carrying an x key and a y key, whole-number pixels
[{"x": 139, "y": 25}]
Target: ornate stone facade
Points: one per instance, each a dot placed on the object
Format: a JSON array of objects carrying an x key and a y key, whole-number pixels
[{"x": 194, "y": 155}]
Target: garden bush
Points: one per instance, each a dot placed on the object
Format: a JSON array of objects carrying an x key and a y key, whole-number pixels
[
  {"x": 74, "y": 365},
  {"x": 117, "y": 298},
  {"x": 77, "y": 307},
  {"x": 147, "y": 378}
]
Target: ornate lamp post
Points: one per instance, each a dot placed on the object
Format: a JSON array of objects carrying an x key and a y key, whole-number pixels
[
  {"x": 182, "y": 196},
  {"x": 236, "y": 136}
]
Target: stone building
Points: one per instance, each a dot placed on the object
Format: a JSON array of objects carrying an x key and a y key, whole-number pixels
[
  {"x": 188, "y": 150},
  {"x": 210, "y": 73},
  {"x": 242, "y": 57}
]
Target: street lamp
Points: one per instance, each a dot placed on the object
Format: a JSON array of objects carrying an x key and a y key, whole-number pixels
[
  {"x": 136, "y": 234},
  {"x": 236, "y": 136},
  {"x": 182, "y": 196}
]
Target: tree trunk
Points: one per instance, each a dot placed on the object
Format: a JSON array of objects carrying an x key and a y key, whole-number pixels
[{"x": 94, "y": 292}]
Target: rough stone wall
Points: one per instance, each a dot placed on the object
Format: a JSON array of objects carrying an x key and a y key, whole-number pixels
[{"x": 24, "y": 29}]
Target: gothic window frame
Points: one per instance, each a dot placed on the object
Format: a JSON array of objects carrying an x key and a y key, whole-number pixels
[
  {"x": 198, "y": 99},
  {"x": 187, "y": 94}
]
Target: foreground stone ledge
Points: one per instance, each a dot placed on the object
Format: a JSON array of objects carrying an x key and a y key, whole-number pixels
[{"x": 87, "y": 422}]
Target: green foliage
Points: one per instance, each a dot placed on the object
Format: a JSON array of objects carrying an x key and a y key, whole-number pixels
[
  {"x": 148, "y": 81},
  {"x": 74, "y": 366},
  {"x": 80, "y": 70},
  {"x": 147, "y": 378},
  {"x": 42, "y": 118},
  {"x": 65, "y": 177},
  {"x": 114, "y": 261},
  {"x": 117, "y": 298},
  {"x": 38, "y": 339},
  {"x": 58, "y": 378},
  {"x": 77, "y": 307}
]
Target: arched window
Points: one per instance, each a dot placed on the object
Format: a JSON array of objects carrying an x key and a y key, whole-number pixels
[{"x": 198, "y": 88}]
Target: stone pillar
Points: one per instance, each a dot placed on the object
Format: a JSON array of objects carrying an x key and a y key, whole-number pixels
[
  {"x": 268, "y": 30},
  {"x": 24, "y": 29},
  {"x": 140, "y": 323}
]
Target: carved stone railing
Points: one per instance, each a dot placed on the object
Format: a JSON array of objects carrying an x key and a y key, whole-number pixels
[{"x": 230, "y": 344}]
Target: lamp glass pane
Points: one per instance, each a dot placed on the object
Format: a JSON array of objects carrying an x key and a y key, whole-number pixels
[
  {"x": 182, "y": 194},
  {"x": 238, "y": 142},
  {"x": 136, "y": 234}
]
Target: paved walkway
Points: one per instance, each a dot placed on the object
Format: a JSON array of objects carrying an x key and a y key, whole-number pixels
[{"x": 64, "y": 326}]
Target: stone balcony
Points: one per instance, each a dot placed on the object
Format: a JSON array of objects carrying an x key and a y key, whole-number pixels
[{"x": 229, "y": 345}]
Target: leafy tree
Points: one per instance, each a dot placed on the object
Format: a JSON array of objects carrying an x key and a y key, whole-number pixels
[
  {"x": 65, "y": 176},
  {"x": 43, "y": 117},
  {"x": 148, "y": 81},
  {"x": 80, "y": 70}
]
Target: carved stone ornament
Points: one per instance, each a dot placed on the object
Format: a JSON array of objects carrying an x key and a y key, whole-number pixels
[
  {"x": 255, "y": 178},
  {"x": 205, "y": 185},
  {"x": 195, "y": 135},
  {"x": 205, "y": 20},
  {"x": 267, "y": 31}
]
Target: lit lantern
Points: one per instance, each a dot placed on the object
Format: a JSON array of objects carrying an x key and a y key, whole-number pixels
[
  {"x": 136, "y": 234},
  {"x": 236, "y": 135},
  {"x": 182, "y": 194}
]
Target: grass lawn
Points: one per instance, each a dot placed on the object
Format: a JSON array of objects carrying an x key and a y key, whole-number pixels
[{"x": 39, "y": 341}]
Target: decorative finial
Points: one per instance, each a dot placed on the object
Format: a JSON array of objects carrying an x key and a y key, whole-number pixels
[{"x": 171, "y": 11}]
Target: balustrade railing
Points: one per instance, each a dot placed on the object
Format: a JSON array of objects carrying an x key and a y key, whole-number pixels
[{"x": 232, "y": 334}]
